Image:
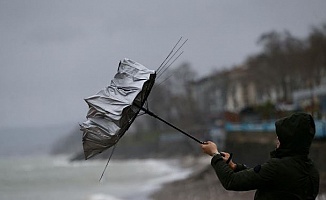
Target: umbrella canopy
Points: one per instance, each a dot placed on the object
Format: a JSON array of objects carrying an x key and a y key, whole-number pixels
[{"x": 113, "y": 109}]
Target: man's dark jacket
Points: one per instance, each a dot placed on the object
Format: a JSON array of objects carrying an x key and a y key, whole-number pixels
[{"x": 289, "y": 174}]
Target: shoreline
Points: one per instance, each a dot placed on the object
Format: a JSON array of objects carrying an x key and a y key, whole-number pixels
[{"x": 203, "y": 183}]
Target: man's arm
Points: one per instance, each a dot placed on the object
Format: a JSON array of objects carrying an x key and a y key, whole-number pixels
[
  {"x": 241, "y": 178},
  {"x": 236, "y": 167},
  {"x": 210, "y": 148}
]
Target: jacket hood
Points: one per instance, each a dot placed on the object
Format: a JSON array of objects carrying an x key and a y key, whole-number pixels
[{"x": 295, "y": 134}]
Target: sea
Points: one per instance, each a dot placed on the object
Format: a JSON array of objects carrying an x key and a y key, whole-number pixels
[
  {"x": 28, "y": 171},
  {"x": 56, "y": 178}
]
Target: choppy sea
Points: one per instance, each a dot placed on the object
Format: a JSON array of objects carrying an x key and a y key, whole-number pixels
[{"x": 55, "y": 178}]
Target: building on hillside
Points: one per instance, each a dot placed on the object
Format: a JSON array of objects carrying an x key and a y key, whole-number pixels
[
  {"x": 241, "y": 90},
  {"x": 312, "y": 100},
  {"x": 210, "y": 93}
]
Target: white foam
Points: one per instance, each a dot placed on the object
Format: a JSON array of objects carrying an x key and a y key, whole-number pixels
[
  {"x": 173, "y": 175},
  {"x": 101, "y": 196},
  {"x": 64, "y": 161},
  {"x": 126, "y": 179}
]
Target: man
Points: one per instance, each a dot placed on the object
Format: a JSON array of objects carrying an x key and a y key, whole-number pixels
[{"x": 289, "y": 174}]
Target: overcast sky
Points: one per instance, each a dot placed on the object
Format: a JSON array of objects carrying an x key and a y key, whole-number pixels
[{"x": 53, "y": 54}]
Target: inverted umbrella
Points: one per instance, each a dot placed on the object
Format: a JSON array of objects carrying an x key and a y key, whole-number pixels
[{"x": 113, "y": 109}]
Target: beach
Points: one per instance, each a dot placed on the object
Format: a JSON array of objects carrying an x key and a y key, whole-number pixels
[
  {"x": 29, "y": 172},
  {"x": 201, "y": 184},
  {"x": 204, "y": 184},
  {"x": 57, "y": 178}
]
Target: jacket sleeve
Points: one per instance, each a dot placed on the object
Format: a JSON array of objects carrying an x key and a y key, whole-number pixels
[
  {"x": 246, "y": 179},
  {"x": 240, "y": 167}
]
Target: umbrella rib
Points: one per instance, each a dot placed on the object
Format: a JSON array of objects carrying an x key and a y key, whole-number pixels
[
  {"x": 169, "y": 65},
  {"x": 159, "y": 71},
  {"x": 108, "y": 161},
  {"x": 169, "y": 54},
  {"x": 173, "y": 54},
  {"x": 168, "y": 77}
]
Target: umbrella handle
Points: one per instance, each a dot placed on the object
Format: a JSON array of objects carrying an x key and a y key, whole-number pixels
[{"x": 168, "y": 123}]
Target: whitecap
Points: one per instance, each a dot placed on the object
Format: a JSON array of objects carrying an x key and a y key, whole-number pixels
[{"x": 101, "y": 196}]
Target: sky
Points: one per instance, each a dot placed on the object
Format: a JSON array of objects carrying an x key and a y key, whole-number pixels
[{"x": 53, "y": 54}]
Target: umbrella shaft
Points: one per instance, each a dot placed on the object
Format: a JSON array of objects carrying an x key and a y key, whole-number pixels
[{"x": 168, "y": 123}]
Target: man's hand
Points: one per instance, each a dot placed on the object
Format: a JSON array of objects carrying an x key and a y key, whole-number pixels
[
  {"x": 228, "y": 159},
  {"x": 209, "y": 148},
  {"x": 226, "y": 156}
]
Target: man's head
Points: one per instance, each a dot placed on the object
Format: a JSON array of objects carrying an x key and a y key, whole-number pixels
[{"x": 296, "y": 132}]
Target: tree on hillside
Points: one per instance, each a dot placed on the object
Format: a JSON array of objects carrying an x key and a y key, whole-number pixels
[
  {"x": 183, "y": 108},
  {"x": 171, "y": 99},
  {"x": 315, "y": 56},
  {"x": 281, "y": 58}
]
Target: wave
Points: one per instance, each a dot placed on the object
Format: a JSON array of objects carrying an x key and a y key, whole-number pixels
[
  {"x": 101, "y": 196},
  {"x": 125, "y": 179},
  {"x": 160, "y": 166},
  {"x": 64, "y": 161}
]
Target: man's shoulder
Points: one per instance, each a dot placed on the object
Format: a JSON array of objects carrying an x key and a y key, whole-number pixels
[
  {"x": 274, "y": 164},
  {"x": 275, "y": 161}
]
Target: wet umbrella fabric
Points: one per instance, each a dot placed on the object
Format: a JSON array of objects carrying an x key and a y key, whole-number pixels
[{"x": 113, "y": 109}]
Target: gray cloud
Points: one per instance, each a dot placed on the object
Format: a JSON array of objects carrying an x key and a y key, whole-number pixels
[{"x": 55, "y": 53}]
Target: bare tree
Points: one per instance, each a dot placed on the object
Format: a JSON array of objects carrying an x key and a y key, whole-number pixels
[
  {"x": 315, "y": 56},
  {"x": 171, "y": 99},
  {"x": 280, "y": 61}
]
